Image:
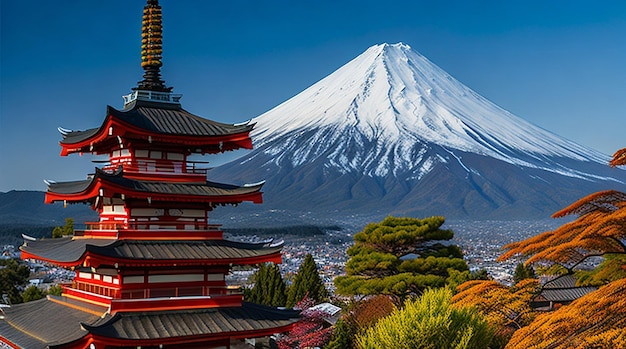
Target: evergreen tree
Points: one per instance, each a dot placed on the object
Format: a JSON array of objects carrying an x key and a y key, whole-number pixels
[
  {"x": 402, "y": 256},
  {"x": 55, "y": 290},
  {"x": 307, "y": 282},
  {"x": 343, "y": 335},
  {"x": 33, "y": 293},
  {"x": 12, "y": 276},
  {"x": 269, "y": 287},
  {"x": 523, "y": 272},
  {"x": 57, "y": 232},
  {"x": 67, "y": 229}
]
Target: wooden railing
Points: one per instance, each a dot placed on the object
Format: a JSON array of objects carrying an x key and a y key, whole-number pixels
[
  {"x": 152, "y": 226},
  {"x": 162, "y": 169},
  {"x": 180, "y": 292}
]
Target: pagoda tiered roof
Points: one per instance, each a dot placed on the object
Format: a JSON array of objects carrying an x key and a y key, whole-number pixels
[
  {"x": 49, "y": 329},
  {"x": 69, "y": 251},
  {"x": 103, "y": 182},
  {"x": 152, "y": 271},
  {"x": 158, "y": 123},
  {"x": 251, "y": 320}
]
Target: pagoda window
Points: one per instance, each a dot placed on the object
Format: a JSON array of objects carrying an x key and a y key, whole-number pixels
[
  {"x": 176, "y": 278},
  {"x": 120, "y": 153},
  {"x": 113, "y": 206},
  {"x": 120, "y": 157},
  {"x": 147, "y": 212},
  {"x": 142, "y": 153},
  {"x": 215, "y": 277},
  {"x": 133, "y": 279},
  {"x": 175, "y": 156}
]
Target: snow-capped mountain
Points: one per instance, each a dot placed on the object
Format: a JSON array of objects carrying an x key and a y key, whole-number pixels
[{"x": 393, "y": 133}]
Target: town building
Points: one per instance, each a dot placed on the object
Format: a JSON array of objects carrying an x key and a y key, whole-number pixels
[{"x": 151, "y": 273}]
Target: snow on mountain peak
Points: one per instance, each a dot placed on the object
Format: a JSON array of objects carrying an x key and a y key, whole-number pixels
[{"x": 396, "y": 101}]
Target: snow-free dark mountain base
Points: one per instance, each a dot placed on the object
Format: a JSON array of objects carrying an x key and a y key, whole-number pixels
[{"x": 494, "y": 190}]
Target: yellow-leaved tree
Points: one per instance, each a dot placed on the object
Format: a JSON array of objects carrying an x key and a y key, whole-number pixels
[
  {"x": 598, "y": 319},
  {"x": 506, "y": 309}
]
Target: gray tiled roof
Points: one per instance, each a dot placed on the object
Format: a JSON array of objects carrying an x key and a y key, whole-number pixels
[
  {"x": 201, "y": 322},
  {"x": 68, "y": 250},
  {"x": 205, "y": 189},
  {"x": 563, "y": 281},
  {"x": 185, "y": 250},
  {"x": 63, "y": 250},
  {"x": 43, "y": 323},
  {"x": 562, "y": 289},
  {"x": 32, "y": 324},
  {"x": 77, "y": 136},
  {"x": 565, "y": 294},
  {"x": 163, "y": 118}
]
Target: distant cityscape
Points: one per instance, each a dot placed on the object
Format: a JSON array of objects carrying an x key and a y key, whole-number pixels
[{"x": 481, "y": 242}]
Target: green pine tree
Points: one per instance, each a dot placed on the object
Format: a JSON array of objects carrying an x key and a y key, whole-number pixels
[
  {"x": 343, "y": 336},
  {"x": 402, "y": 256},
  {"x": 523, "y": 272},
  {"x": 269, "y": 287},
  {"x": 307, "y": 282},
  {"x": 13, "y": 275},
  {"x": 32, "y": 293},
  {"x": 67, "y": 229}
]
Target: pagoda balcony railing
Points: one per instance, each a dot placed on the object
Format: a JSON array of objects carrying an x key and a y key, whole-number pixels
[
  {"x": 149, "y": 226},
  {"x": 172, "y": 170},
  {"x": 191, "y": 291},
  {"x": 102, "y": 290},
  {"x": 154, "y": 96},
  {"x": 105, "y": 294}
]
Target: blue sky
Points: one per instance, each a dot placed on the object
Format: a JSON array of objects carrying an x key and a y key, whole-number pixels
[{"x": 558, "y": 64}]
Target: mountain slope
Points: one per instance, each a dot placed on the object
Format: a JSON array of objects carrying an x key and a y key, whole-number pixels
[{"x": 392, "y": 133}]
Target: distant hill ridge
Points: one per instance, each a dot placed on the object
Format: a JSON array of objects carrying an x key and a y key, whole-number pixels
[{"x": 27, "y": 208}]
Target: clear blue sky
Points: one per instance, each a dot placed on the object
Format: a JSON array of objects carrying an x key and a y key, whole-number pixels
[{"x": 559, "y": 64}]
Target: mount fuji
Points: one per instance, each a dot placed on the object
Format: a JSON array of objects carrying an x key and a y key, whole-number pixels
[{"x": 392, "y": 133}]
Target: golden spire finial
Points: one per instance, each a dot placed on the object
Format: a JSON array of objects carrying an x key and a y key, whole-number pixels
[{"x": 152, "y": 48}]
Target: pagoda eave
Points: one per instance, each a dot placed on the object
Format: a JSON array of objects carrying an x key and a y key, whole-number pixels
[
  {"x": 84, "y": 197},
  {"x": 267, "y": 321},
  {"x": 101, "y": 185},
  {"x": 68, "y": 264},
  {"x": 96, "y": 260},
  {"x": 116, "y": 130},
  {"x": 219, "y": 338},
  {"x": 72, "y": 252}
]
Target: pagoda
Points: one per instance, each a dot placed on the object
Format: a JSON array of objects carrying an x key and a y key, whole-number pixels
[{"x": 151, "y": 273}]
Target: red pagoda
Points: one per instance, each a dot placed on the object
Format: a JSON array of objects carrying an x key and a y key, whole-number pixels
[{"x": 151, "y": 273}]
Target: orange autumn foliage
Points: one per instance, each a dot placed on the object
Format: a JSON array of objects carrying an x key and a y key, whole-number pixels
[
  {"x": 596, "y": 320},
  {"x": 505, "y": 308},
  {"x": 599, "y": 229},
  {"x": 368, "y": 311},
  {"x": 619, "y": 158}
]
